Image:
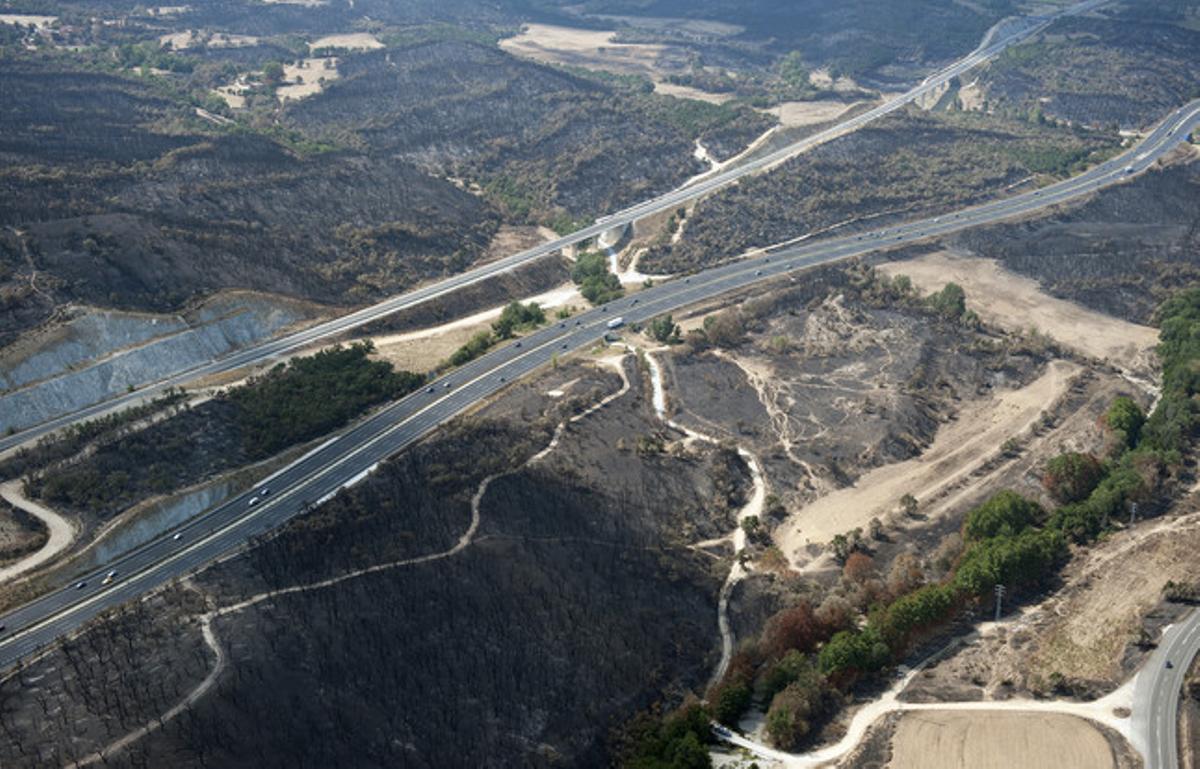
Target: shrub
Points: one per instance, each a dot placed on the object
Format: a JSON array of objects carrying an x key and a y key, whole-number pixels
[
  {"x": 1072, "y": 476},
  {"x": 475, "y": 346},
  {"x": 516, "y": 316},
  {"x": 1010, "y": 560},
  {"x": 1005, "y": 513}
]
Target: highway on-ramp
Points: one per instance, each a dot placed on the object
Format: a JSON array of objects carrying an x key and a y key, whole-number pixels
[
  {"x": 349, "y": 455},
  {"x": 998, "y": 39}
]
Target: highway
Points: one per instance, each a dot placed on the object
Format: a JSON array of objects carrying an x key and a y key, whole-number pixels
[
  {"x": 1157, "y": 691},
  {"x": 997, "y": 39},
  {"x": 355, "y": 451}
]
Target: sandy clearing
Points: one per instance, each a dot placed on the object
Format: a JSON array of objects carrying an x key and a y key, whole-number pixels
[
  {"x": 354, "y": 41},
  {"x": 594, "y": 49},
  {"x": 62, "y": 531},
  {"x": 958, "y": 449},
  {"x": 940, "y": 739},
  {"x": 1005, "y": 299},
  {"x": 306, "y": 78},
  {"x": 972, "y": 96},
  {"x": 688, "y": 92},
  {"x": 234, "y": 95},
  {"x": 792, "y": 114},
  {"x": 181, "y": 41},
  {"x": 424, "y": 349}
]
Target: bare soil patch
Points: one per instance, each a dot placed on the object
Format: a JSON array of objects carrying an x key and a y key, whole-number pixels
[
  {"x": 793, "y": 114},
  {"x": 997, "y": 740},
  {"x": 594, "y": 49},
  {"x": 306, "y": 78},
  {"x": 1005, "y": 299},
  {"x": 959, "y": 448}
]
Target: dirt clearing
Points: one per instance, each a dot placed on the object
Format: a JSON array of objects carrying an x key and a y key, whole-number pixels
[
  {"x": 1007, "y": 300},
  {"x": 357, "y": 41},
  {"x": 306, "y": 78},
  {"x": 793, "y": 114},
  {"x": 997, "y": 740},
  {"x": 424, "y": 349},
  {"x": 593, "y": 49},
  {"x": 959, "y": 449}
]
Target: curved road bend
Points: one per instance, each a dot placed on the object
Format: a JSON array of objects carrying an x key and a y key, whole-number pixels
[
  {"x": 1020, "y": 29},
  {"x": 347, "y": 456},
  {"x": 1157, "y": 692}
]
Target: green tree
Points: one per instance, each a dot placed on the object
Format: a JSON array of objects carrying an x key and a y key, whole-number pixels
[
  {"x": 1004, "y": 513},
  {"x": 272, "y": 73},
  {"x": 950, "y": 302},
  {"x": 1125, "y": 418},
  {"x": 664, "y": 329},
  {"x": 1071, "y": 476},
  {"x": 517, "y": 316},
  {"x": 477, "y": 345},
  {"x": 596, "y": 283}
]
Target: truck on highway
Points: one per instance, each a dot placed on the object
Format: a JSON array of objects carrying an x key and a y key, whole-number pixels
[{"x": 615, "y": 323}]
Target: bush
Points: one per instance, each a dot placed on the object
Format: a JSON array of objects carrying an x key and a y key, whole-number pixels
[
  {"x": 1005, "y": 513},
  {"x": 596, "y": 283},
  {"x": 725, "y": 329},
  {"x": 950, "y": 302},
  {"x": 851, "y": 653},
  {"x": 1072, "y": 476},
  {"x": 475, "y": 346},
  {"x": 517, "y": 316},
  {"x": 1125, "y": 419},
  {"x": 790, "y": 715},
  {"x": 663, "y": 329},
  {"x": 909, "y": 614},
  {"x": 1024, "y": 559},
  {"x": 793, "y": 628}
]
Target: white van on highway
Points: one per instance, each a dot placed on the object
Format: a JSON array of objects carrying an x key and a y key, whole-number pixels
[{"x": 615, "y": 323}]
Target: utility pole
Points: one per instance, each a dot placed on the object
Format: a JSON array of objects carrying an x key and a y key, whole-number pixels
[{"x": 999, "y": 599}]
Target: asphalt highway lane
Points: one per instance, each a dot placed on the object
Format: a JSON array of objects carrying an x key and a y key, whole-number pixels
[
  {"x": 355, "y": 451},
  {"x": 1014, "y": 32}
]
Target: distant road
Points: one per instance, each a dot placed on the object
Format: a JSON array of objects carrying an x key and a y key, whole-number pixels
[
  {"x": 1158, "y": 690},
  {"x": 995, "y": 41},
  {"x": 355, "y": 451}
]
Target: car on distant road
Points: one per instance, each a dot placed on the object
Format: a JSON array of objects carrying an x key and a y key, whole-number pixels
[
  {"x": 178, "y": 536},
  {"x": 81, "y": 585},
  {"x": 264, "y": 491},
  {"x": 253, "y": 501},
  {"x": 108, "y": 578}
]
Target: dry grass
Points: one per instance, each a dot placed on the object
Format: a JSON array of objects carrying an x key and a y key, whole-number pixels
[
  {"x": 306, "y": 78},
  {"x": 997, "y": 740},
  {"x": 1007, "y": 300},
  {"x": 958, "y": 450}
]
